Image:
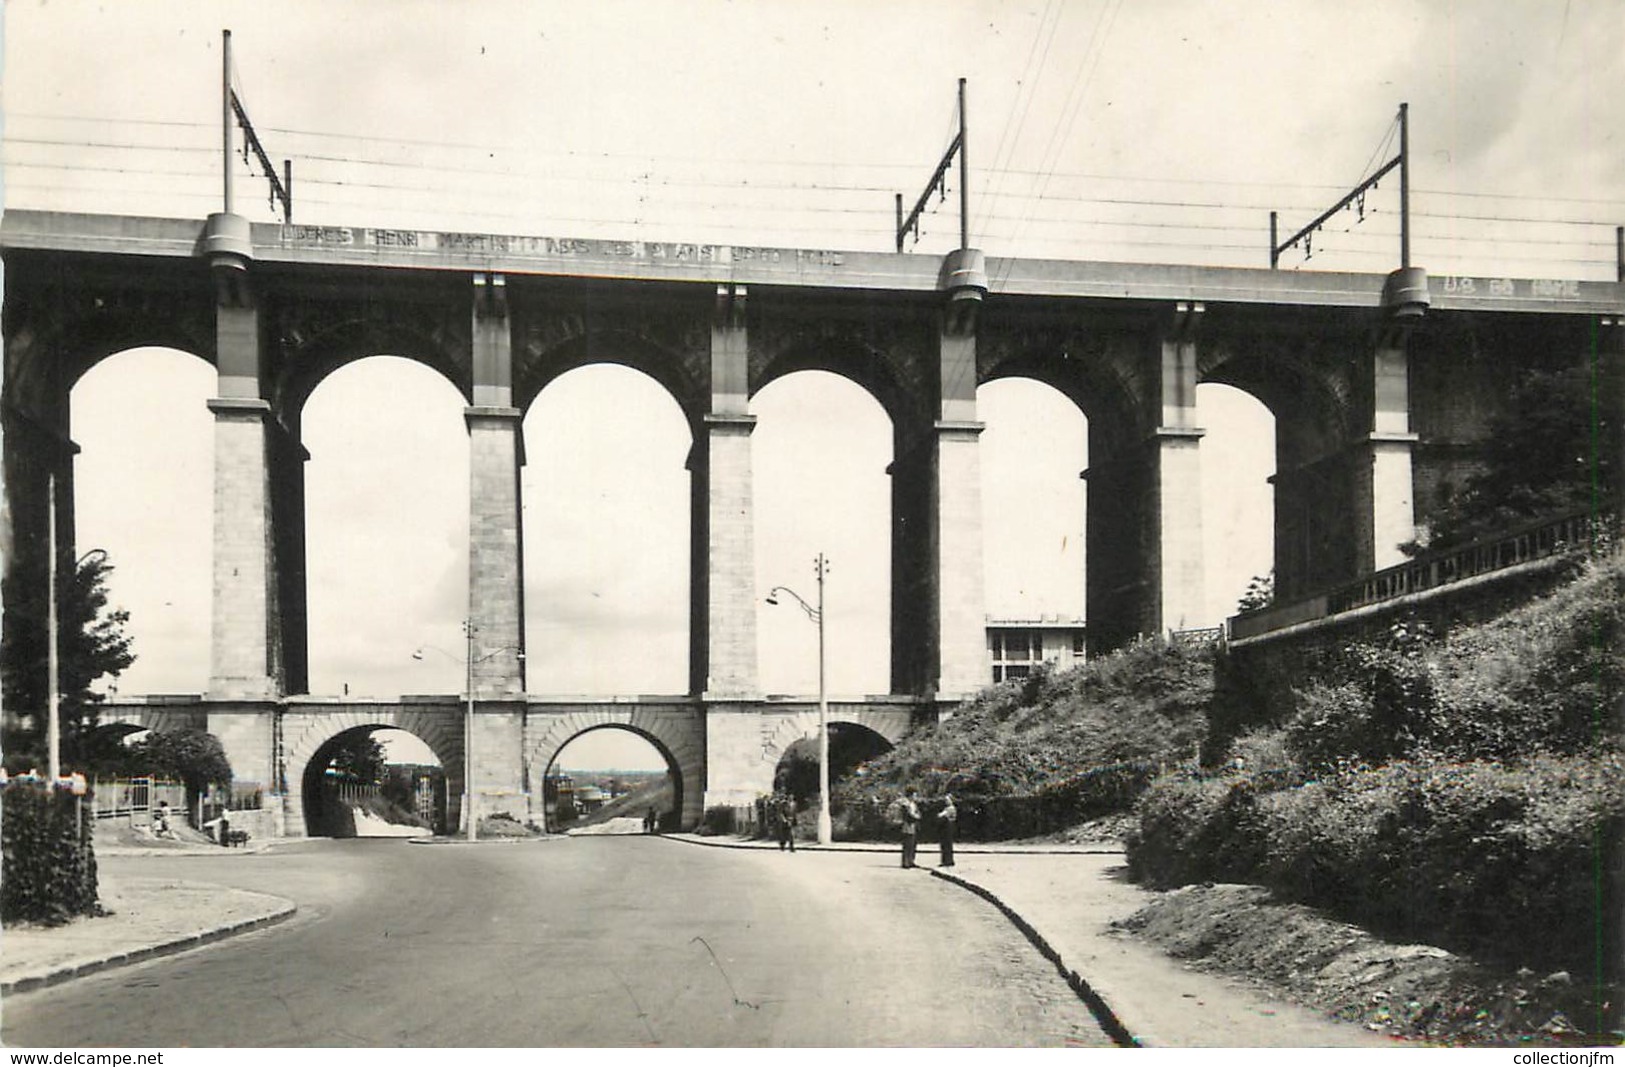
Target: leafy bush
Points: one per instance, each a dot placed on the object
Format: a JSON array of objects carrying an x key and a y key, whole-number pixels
[
  {"x": 190, "y": 756},
  {"x": 719, "y": 819},
  {"x": 1520, "y": 862},
  {"x": 49, "y": 871},
  {"x": 1548, "y": 677},
  {"x": 1266, "y": 755},
  {"x": 1173, "y": 844},
  {"x": 1382, "y": 707}
]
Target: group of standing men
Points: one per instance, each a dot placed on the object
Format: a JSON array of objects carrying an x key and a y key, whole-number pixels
[
  {"x": 781, "y": 813},
  {"x": 908, "y": 810}
]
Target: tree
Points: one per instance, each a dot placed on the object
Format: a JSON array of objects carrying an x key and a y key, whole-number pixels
[
  {"x": 194, "y": 757},
  {"x": 1553, "y": 449},
  {"x": 91, "y": 645},
  {"x": 357, "y": 757},
  {"x": 1260, "y": 593}
]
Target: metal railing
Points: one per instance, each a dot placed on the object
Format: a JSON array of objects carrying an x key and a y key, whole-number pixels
[
  {"x": 1526, "y": 544},
  {"x": 134, "y": 798}
]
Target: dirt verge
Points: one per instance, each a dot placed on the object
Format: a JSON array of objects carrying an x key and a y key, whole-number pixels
[{"x": 1411, "y": 991}]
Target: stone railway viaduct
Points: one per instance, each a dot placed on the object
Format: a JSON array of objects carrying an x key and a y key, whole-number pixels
[{"x": 1381, "y": 388}]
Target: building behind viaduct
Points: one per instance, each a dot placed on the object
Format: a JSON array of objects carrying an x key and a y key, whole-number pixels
[{"x": 1381, "y": 389}]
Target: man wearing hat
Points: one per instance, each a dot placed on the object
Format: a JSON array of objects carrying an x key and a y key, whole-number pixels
[
  {"x": 908, "y": 810},
  {"x": 947, "y": 826}
]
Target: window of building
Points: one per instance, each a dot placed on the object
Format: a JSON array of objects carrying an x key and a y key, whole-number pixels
[{"x": 1017, "y": 646}]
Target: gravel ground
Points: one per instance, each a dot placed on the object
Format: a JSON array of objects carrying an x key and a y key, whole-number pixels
[{"x": 1411, "y": 991}]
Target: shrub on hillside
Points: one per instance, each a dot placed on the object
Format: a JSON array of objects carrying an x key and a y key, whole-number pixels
[
  {"x": 1265, "y": 755},
  {"x": 1382, "y": 706},
  {"x": 1096, "y": 792},
  {"x": 1525, "y": 857},
  {"x": 1173, "y": 843},
  {"x": 1521, "y": 862},
  {"x": 49, "y": 873},
  {"x": 1549, "y": 677}
]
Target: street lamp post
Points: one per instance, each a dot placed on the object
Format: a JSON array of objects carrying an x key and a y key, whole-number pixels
[
  {"x": 826, "y": 830},
  {"x": 470, "y": 815}
]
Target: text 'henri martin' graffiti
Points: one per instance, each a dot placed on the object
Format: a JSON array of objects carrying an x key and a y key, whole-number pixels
[{"x": 487, "y": 244}]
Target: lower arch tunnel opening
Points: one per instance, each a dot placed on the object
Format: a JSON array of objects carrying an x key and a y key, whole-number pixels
[
  {"x": 612, "y": 780},
  {"x": 374, "y": 781},
  {"x": 851, "y": 745}
]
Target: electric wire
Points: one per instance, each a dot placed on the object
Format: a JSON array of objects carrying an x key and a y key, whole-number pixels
[
  {"x": 1049, "y": 159},
  {"x": 993, "y": 219},
  {"x": 651, "y": 209},
  {"x": 319, "y": 180},
  {"x": 779, "y": 229},
  {"x": 854, "y": 188},
  {"x": 992, "y": 172},
  {"x": 993, "y": 185}
]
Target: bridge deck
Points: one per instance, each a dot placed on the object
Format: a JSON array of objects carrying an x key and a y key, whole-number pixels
[{"x": 574, "y": 257}]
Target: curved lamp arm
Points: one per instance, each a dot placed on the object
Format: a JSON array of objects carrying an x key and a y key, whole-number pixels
[
  {"x": 418, "y": 652},
  {"x": 812, "y": 613}
]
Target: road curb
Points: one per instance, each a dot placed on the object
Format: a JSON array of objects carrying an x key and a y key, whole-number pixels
[
  {"x": 809, "y": 847},
  {"x": 81, "y": 968},
  {"x": 1103, "y": 1013},
  {"x": 464, "y": 842}
]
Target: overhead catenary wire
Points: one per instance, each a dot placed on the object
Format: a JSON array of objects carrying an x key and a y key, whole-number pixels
[
  {"x": 992, "y": 185},
  {"x": 1106, "y": 17},
  {"x": 766, "y": 233},
  {"x": 995, "y": 221},
  {"x": 1002, "y": 215},
  {"x": 822, "y": 200},
  {"x": 419, "y": 166},
  {"x": 989, "y": 173},
  {"x": 1206, "y": 205}
]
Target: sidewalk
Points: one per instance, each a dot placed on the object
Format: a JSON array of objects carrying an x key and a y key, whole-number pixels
[
  {"x": 1065, "y": 897},
  {"x": 150, "y": 917},
  {"x": 1070, "y": 902}
]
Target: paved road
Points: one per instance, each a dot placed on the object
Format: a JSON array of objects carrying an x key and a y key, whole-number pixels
[{"x": 589, "y": 941}]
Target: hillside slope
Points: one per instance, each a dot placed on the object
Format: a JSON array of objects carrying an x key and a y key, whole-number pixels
[
  {"x": 1469, "y": 793},
  {"x": 1133, "y": 711}
]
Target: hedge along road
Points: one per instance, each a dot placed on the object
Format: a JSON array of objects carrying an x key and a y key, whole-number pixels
[{"x": 578, "y": 942}]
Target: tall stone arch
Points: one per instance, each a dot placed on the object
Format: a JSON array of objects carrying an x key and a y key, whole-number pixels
[
  {"x": 887, "y": 348},
  {"x": 58, "y": 323},
  {"x": 1309, "y": 379},
  {"x": 677, "y": 731},
  {"x": 305, "y": 728}
]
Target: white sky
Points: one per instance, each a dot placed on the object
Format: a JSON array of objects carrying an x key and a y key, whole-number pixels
[{"x": 1163, "y": 130}]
